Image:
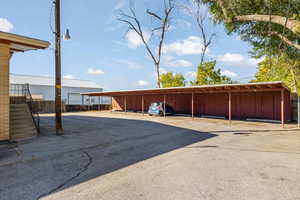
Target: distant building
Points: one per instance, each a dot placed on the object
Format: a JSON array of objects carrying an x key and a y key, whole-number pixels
[{"x": 42, "y": 87}]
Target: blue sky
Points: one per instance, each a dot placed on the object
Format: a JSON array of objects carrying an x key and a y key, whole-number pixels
[{"x": 101, "y": 50}]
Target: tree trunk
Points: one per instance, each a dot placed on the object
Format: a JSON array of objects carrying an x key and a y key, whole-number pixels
[{"x": 158, "y": 76}]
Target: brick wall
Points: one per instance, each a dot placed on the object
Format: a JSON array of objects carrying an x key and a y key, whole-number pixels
[{"x": 4, "y": 91}]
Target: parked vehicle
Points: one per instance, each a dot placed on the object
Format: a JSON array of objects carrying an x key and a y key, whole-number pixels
[{"x": 157, "y": 108}]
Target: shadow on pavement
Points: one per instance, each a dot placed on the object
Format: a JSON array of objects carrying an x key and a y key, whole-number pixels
[{"x": 90, "y": 147}]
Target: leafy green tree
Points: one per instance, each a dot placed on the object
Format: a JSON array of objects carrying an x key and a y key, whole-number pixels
[
  {"x": 208, "y": 75},
  {"x": 272, "y": 27},
  {"x": 266, "y": 24},
  {"x": 172, "y": 80},
  {"x": 281, "y": 68}
]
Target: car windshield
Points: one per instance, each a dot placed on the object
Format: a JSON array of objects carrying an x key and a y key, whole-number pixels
[{"x": 155, "y": 104}]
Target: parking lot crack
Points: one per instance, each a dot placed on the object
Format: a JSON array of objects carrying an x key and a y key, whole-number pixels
[{"x": 82, "y": 170}]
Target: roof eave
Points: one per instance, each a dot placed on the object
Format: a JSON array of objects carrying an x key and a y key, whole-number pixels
[
  {"x": 191, "y": 87},
  {"x": 24, "y": 41}
]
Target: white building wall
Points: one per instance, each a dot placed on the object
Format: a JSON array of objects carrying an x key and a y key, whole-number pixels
[{"x": 69, "y": 95}]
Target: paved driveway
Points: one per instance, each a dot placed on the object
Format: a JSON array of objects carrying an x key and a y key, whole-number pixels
[{"x": 117, "y": 156}]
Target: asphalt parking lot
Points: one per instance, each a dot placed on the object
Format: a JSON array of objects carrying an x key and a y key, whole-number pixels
[{"x": 113, "y": 156}]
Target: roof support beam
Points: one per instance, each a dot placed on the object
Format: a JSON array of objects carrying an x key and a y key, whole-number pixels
[{"x": 185, "y": 91}]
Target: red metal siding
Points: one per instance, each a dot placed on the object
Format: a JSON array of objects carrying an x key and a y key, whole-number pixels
[
  {"x": 205, "y": 104},
  {"x": 180, "y": 103},
  {"x": 264, "y": 105}
]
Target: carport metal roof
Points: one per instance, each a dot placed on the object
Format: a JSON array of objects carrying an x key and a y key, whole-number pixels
[{"x": 248, "y": 87}]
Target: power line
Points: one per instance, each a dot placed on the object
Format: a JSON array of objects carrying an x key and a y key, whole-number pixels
[{"x": 50, "y": 17}]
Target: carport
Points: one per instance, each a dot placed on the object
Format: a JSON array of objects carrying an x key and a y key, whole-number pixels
[{"x": 251, "y": 101}]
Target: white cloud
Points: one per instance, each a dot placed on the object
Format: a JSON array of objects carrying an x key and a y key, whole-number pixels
[
  {"x": 191, "y": 46},
  {"x": 5, "y": 25},
  {"x": 238, "y": 60},
  {"x": 170, "y": 61},
  {"x": 134, "y": 40},
  {"x": 179, "y": 63},
  {"x": 120, "y": 4},
  {"x": 129, "y": 64},
  {"x": 95, "y": 71},
  {"x": 142, "y": 83},
  {"x": 161, "y": 71},
  {"x": 190, "y": 75},
  {"x": 229, "y": 73},
  {"x": 68, "y": 76}
]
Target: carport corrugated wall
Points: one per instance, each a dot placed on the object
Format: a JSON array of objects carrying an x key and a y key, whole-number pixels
[{"x": 261, "y": 105}]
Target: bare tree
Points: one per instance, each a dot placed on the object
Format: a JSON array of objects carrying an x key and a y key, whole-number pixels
[
  {"x": 196, "y": 11},
  {"x": 164, "y": 21}
]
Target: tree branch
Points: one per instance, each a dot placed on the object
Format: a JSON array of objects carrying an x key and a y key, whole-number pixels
[
  {"x": 291, "y": 24},
  {"x": 134, "y": 24},
  {"x": 285, "y": 39},
  {"x": 153, "y": 14}
]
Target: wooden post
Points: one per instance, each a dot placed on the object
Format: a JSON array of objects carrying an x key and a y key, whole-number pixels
[
  {"x": 90, "y": 102},
  {"x": 125, "y": 104},
  {"x": 229, "y": 108},
  {"x": 164, "y": 105},
  {"x": 58, "y": 104},
  {"x": 193, "y": 105},
  {"x": 111, "y": 104},
  {"x": 143, "y": 104},
  {"x": 99, "y": 103},
  {"x": 282, "y": 108}
]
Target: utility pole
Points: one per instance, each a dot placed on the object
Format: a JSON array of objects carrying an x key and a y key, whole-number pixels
[{"x": 58, "y": 118}]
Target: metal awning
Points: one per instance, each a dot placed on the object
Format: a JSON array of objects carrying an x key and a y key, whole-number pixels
[
  {"x": 20, "y": 43},
  {"x": 248, "y": 87}
]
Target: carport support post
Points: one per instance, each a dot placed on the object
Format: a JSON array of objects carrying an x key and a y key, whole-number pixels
[
  {"x": 125, "y": 104},
  {"x": 99, "y": 101},
  {"x": 282, "y": 108},
  {"x": 229, "y": 108},
  {"x": 143, "y": 105},
  {"x": 164, "y": 105},
  {"x": 193, "y": 105},
  {"x": 111, "y": 104}
]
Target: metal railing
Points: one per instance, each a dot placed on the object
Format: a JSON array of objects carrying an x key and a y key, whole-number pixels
[{"x": 22, "y": 90}]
